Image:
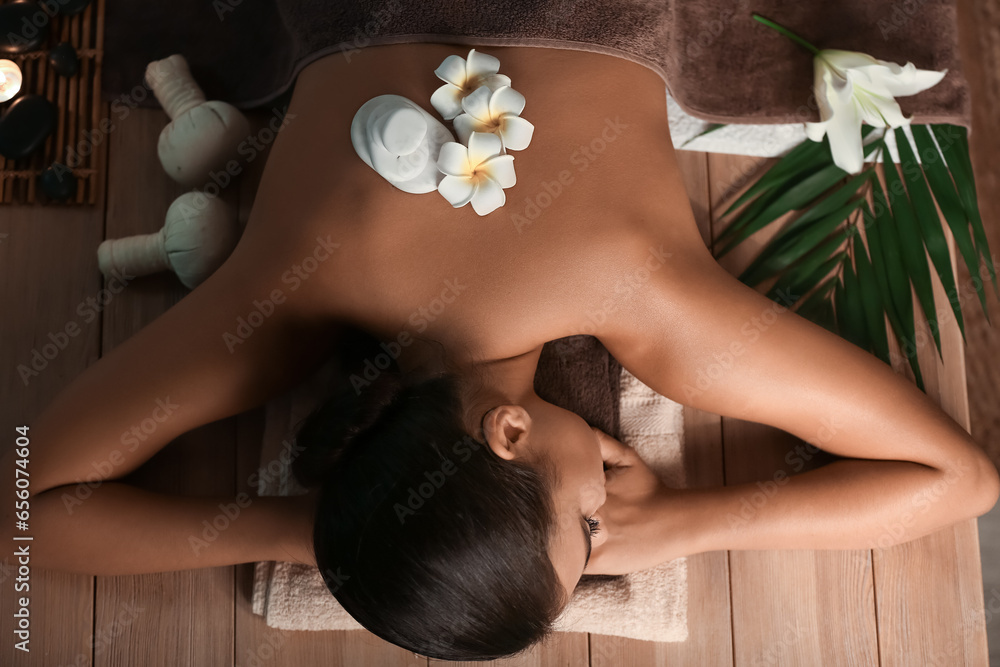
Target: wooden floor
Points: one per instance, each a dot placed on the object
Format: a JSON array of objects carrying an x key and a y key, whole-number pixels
[{"x": 901, "y": 606}]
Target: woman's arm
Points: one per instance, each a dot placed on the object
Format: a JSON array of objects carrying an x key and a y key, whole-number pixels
[
  {"x": 700, "y": 337},
  {"x": 191, "y": 366},
  {"x": 122, "y": 529}
]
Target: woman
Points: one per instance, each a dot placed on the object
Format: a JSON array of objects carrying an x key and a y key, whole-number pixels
[{"x": 525, "y": 508}]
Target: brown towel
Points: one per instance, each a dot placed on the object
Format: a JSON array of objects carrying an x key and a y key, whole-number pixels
[
  {"x": 717, "y": 62},
  {"x": 577, "y": 373}
]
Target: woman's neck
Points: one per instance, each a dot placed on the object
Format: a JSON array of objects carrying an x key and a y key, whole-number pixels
[{"x": 483, "y": 385}]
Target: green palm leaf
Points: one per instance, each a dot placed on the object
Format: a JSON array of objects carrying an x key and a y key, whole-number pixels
[
  {"x": 894, "y": 284},
  {"x": 790, "y": 191},
  {"x": 930, "y": 223},
  {"x": 794, "y": 198},
  {"x": 954, "y": 145},
  {"x": 910, "y": 233},
  {"x": 807, "y": 273},
  {"x": 851, "y": 319},
  {"x": 951, "y": 206},
  {"x": 871, "y": 300},
  {"x": 902, "y": 228},
  {"x": 799, "y": 159},
  {"x": 777, "y": 257},
  {"x": 818, "y": 308}
]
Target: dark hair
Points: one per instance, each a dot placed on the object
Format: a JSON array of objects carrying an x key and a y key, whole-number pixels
[{"x": 422, "y": 533}]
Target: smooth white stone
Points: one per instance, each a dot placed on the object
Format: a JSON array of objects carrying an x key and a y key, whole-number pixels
[{"x": 401, "y": 141}]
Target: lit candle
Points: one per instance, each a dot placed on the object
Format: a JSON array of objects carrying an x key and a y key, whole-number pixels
[{"x": 10, "y": 79}]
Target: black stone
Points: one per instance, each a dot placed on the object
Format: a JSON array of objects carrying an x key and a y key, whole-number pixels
[
  {"x": 63, "y": 59},
  {"x": 24, "y": 26},
  {"x": 23, "y": 129},
  {"x": 71, "y": 7},
  {"x": 58, "y": 182}
]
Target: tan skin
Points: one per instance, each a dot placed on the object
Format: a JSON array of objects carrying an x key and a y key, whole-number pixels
[{"x": 572, "y": 270}]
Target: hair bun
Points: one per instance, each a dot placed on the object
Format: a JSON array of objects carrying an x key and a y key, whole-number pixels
[
  {"x": 330, "y": 431},
  {"x": 372, "y": 401}
]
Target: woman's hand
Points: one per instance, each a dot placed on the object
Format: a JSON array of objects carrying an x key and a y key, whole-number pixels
[{"x": 636, "y": 514}]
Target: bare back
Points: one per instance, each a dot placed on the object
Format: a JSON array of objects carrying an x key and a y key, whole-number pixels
[{"x": 598, "y": 196}]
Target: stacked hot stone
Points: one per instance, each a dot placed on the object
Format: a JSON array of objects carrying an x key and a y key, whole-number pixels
[{"x": 29, "y": 119}]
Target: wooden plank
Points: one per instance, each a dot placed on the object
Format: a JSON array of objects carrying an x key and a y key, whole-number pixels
[
  {"x": 929, "y": 591},
  {"x": 172, "y": 618},
  {"x": 254, "y": 640},
  {"x": 709, "y": 631},
  {"x": 557, "y": 650},
  {"x": 50, "y": 271},
  {"x": 789, "y": 607}
]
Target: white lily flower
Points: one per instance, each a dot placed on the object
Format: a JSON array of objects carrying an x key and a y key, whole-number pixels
[
  {"x": 497, "y": 112},
  {"x": 477, "y": 173},
  {"x": 463, "y": 76},
  {"x": 852, "y": 88}
]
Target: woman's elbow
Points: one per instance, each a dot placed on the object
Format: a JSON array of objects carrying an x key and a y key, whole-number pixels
[{"x": 985, "y": 487}]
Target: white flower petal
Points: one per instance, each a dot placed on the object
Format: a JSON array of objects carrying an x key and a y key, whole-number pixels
[
  {"x": 454, "y": 160},
  {"x": 506, "y": 100},
  {"x": 844, "y": 60},
  {"x": 879, "y": 111},
  {"x": 516, "y": 132},
  {"x": 489, "y": 197},
  {"x": 844, "y": 130},
  {"x": 477, "y": 104},
  {"x": 816, "y": 131},
  {"x": 501, "y": 170},
  {"x": 465, "y": 125},
  {"x": 494, "y": 81},
  {"x": 902, "y": 81},
  {"x": 483, "y": 146},
  {"x": 447, "y": 101},
  {"x": 480, "y": 64},
  {"x": 457, "y": 190},
  {"x": 452, "y": 70}
]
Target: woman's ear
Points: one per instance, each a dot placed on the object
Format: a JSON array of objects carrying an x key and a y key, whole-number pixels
[{"x": 506, "y": 430}]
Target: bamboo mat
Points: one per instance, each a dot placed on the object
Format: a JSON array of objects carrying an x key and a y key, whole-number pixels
[{"x": 80, "y": 129}]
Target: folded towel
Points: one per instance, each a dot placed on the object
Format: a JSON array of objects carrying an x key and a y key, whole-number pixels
[
  {"x": 770, "y": 140},
  {"x": 717, "y": 62},
  {"x": 576, "y": 373}
]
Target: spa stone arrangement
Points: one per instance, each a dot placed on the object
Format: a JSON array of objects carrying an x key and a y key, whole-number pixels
[
  {"x": 49, "y": 90},
  {"x": 417, "y": 153}
]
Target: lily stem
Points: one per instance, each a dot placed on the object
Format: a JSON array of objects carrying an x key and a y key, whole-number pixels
[{"x": 787, "y": 33}]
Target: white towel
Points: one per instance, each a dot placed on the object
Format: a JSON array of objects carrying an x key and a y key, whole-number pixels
[
  {"x": 772, "y": 140},
  {"x": 649, "y": 605}
]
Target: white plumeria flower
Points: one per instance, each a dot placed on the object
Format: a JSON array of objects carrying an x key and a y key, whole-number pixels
[
  {"x": 853, "y": 88},
  {"x": 497, "y": 112},
  {"x": 462, "y": 77},
  {"x": 477, "y": 173}
]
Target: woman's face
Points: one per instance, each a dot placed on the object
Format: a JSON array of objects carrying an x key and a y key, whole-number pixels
[{"x": 542, "y": 430}]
